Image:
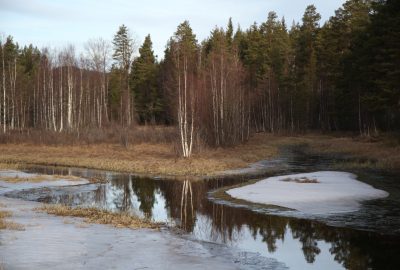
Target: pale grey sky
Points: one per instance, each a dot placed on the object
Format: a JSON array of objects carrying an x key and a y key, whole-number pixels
[{"x": 57, "y": 23}]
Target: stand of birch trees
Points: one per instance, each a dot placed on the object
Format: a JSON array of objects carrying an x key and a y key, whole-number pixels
[{"x": 341, "y": 76}]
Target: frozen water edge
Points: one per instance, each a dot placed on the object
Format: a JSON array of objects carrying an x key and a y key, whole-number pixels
[
  {"x": 6, "y": 187},
  {"x": 51, "y": 242},
  {"x": 335, "y": 192}
]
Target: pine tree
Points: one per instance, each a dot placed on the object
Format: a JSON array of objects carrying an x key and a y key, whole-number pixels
[
  {"x": 376, "y": 69},
  {"x": 306, "y": 61},
  {"x": 338, "y": 99},
  {"x": 229, "y": 32}
]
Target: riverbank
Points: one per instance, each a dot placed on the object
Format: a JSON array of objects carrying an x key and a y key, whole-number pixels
[
  {"x": 143, "y": 158},
  {"x": 72, "y": 243},
  {"x": 161, "y": 159},
  {"x": 377, "y": 153},
  {"x": 90, "y": 238}
]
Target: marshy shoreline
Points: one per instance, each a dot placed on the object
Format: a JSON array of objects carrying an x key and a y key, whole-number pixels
[{"x": 160, "y": 159}]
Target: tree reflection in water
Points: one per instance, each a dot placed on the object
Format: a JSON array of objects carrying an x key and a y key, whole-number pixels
[
  {"x": 186, "y": 203},
  {"x": 187, "y": 217}
]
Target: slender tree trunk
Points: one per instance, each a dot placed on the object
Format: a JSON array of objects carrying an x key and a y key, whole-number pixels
[
  {"x": 53, "y": 113},
  {"x": 61, "y": 100},
  {"x": 359, "y": 113},
  {"x": 4, "y": 96},
  {"x": 70, "y": 86},
  {"x": 80, "y": 99}
]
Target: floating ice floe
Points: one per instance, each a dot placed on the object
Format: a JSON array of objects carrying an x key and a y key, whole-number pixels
[{"x": 325, "y": 192}]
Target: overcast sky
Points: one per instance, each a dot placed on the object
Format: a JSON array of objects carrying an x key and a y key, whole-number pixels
[{"x": 56, "y": 23}]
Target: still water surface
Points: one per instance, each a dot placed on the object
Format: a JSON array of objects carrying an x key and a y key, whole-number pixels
[{"x": 366, "y": 239}]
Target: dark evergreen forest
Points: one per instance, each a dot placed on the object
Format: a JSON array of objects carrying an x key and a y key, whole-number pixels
[{"x": 275, "y": 76}]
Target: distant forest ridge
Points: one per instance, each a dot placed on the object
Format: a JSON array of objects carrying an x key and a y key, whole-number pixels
[{"x": 271, "y": 77}]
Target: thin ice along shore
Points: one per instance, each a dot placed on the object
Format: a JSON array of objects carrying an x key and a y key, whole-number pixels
[{"x": 43, "y": 241}]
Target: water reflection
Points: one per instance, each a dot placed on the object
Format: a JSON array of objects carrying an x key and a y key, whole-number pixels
[
  {"x": 300, "y": 243},
  {"x": 187, "y": 213},
  {"x": 185, "y": 204}
]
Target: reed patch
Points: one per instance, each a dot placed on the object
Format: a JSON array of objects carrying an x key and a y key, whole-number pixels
[{"x": 99, "y": 216}]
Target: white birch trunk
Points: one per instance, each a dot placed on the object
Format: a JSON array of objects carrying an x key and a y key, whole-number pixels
[
  {"x": 61, "y": 100},
  {"x": 4, "y": 97},
  {"x": 70, "y": 86}
]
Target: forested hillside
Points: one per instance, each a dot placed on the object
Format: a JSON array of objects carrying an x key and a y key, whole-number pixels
[{"x": 342, "y": 75}]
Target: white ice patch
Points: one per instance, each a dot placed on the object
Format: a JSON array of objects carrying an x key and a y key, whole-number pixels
[
  {"x": 335, "y": 192},
  {"x": 6, "y": 186}
]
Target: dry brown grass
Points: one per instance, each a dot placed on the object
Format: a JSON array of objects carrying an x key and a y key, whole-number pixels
[
  {"x": 112, "y": 134},
  {"x": 302, "y": 180},
  {"x": 161, "y": 158},
  {"x": 5, "y": 224},
  {"x": 10, "y": 166},
  {"x": 381, "y": 153},
  {"x": 38, "y": 178},
  {"x": 145, "y": 158},
  {"x": 5, "y": 214},
  {"x": 94, "y": 215}
]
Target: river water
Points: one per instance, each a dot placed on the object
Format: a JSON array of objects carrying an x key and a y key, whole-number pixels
[{"x": 366, "y": 239}]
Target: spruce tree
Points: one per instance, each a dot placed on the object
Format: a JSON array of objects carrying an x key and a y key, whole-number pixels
[
  {"x": 148, "y": 99},
  {"x": 123, "y": 49}
]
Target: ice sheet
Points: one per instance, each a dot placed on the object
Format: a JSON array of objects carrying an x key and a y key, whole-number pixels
[
  {"x": 6, "y": 186},
  {"x": 52, "y": 242},
  {"x": 335, "y": 192}
]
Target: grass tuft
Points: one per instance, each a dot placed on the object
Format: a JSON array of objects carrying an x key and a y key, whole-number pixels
[
  {"x": 99, "y": 216},
  {"x": 5, "y": 224},
  {"x": 302, "y": 180}
]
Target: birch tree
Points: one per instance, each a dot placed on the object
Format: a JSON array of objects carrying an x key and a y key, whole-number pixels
[
  {"x": 185, "y": 58},
  {"x": 224, "y": 92},
  {"x": 98, "y": 51},
  {"x": 69, "y": 62},
  {"x": 3, "y": 84}
]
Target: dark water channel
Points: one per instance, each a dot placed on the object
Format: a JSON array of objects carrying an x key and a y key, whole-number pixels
[{"x": 366, "y": 239}]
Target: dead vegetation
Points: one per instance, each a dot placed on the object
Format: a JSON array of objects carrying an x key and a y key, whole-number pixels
[
  {"x": 10, "y": 166},
  {"x": 379, "y": 152},
  {"x": 301, "y": 180},
  {"x": 9, "y": 225},
  {"x": 112, "y": 134},
  {"x": 99, "y": 216},
  {"x": 4, "y": 214},
  {"x": 145, "y": 158},
  {"x": 96, "y": 180},
  {"x": 154, "y": 158}
]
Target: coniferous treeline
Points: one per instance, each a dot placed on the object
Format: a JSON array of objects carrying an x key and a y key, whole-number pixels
[{"x": 343, "y": 75}]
